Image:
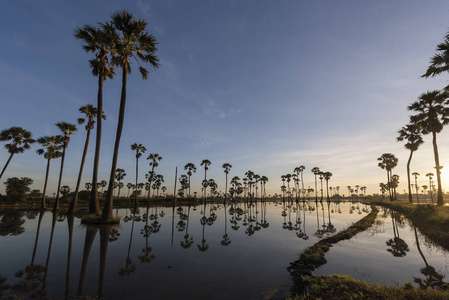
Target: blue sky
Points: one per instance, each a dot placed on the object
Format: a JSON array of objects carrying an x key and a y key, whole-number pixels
[{"x": 263, "y": 85}]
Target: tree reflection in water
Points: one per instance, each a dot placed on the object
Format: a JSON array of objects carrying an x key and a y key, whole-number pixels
[
  {"x": 226, "y": 241},
  {"x": 11, "y": 223},
  {"x": 398, "y": 247},
  {"x": 130, "y": 267},
  {"x": 188, "y": 241}
]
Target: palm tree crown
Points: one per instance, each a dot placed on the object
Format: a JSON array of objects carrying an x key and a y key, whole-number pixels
[{"x": 20, "y": 141}]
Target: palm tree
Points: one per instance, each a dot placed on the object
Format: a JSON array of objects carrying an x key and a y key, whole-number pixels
[
  {"x": 90, "y": 113},
  {"x": 129, "y": 185},
  {"x": 316, "y": 171},
  {"x": 50, "y": 150},
  {"x": 88, "y": 186},
  {"x": 100, "y": 42},
  {"x": 349, "y": 190},
  {"x": 298, "y": 170},
  {"x": 412, "y": 135},
  {"x": 20, "y": 141},
  {"x": 67, "y": 129},
  {"x": 206, "y": 163},
  {"x": 190, "y": 167},
  {"x": 227, "y": 167},
  {"x": 132, "y": 42},
  {"x": 387, "y": 162},
  {"x": 139, "y": 148},
  {"x": 416, "y": 174},
  {"x": 119, "y": 175},
  {"x": 439, "y": 62},
  {"x": 432, "y": 115},
  {"x": 430, "y": 175},
  {"x": 154, "y": 163},
  {"x": 394, "y": 184},
  {"x": 327, "y": 176}
]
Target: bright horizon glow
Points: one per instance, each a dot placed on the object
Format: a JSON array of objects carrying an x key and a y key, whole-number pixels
[{"x": 264, "y": 86}]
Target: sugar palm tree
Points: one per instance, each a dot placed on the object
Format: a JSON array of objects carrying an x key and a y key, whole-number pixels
[
  {"x": 206, "y": 163},
  {"x": 412, "y": 135},
  {"x": 154, "y": 163},
  {"x": 99, "y": 41},
  {"x": 432, "y": 114},
  {"x": 416, "y": 174},
  {"x": 119, "y": 175},
  {"x": 439, "y": 63},
  {"x": 387, "y": 162},
  {"x": 227, "y": 167},
  {"x": 315, "y": 172},
  {"x": 430, "y": 175},
  {"x": 191, "y": 168},
  {"x": 90, "y": 113},
  {"x": 67, "y": 129},
  {"x": 21, "y": 140},
  {"x": 51, "y": 149},
  {"x": 129, "y": 185},
  {"x": 327, "y": 176},
  {"x": 139, "y": 148},
  {"x": 300, "y": 170},
  {"x": 132, "y": 42}
]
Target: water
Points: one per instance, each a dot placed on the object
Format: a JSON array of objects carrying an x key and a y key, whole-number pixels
[
  {"x": 232, "y": 252},
  {"x": 391, "y": 252}
]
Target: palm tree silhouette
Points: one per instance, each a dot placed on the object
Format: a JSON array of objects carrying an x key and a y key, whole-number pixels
[
  {"x": 315, "y": 172},
  {"x": 21, "y": 140},
  {"x": 191, "y": 168},
  {"x": 416, "y": 174},
  {"x": 90, "y": 113},
  {"x": 327, "y": 176},
  {"x": 154, "y": 163},
  {"x": 50, "y": 151},
  {"x": 430, "y": 175},
  {"x": 132, "y": 42},
  {"x": 432, "y": 114},
  {"x": 67, "y": 129},
  {"x": 438, "y": 62},
  {"x": 387, "y": 162},
  {"x": 139, "y": 148},
  {"x": 206, "y": 163},
  {"x": 100, "y": 42},
  {"x": 227, "y": 167},
  {"x": 412, "y": 135},
  {"x": 119, "y": 175}
]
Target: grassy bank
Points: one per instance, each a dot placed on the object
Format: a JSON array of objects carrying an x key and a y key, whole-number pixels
[
  {"x": 345, "y": 287},
  {"x": 431, "y": 220}
]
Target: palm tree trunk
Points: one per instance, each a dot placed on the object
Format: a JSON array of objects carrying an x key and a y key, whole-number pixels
[
  {"x": 56, "y": 205},
  {"x": 410, "y": 199},
  {"x": 94, "y": 204},
  {"x": 390, "y": 193},
  {"x": 137, "y": 174},
  {"x": 73, "y": 204},
  {"x": 226, "y": 188},
  {"x": 108, "y": 205},
  {"x": 45, "y": 184},
  {"x": 6, "y": 165},
  {"x": 440, "y": 201}
]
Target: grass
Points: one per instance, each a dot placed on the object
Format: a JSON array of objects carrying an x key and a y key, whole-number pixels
[
  {"x": 432, "y": 221},
  {"x": 345, "y": 287}
]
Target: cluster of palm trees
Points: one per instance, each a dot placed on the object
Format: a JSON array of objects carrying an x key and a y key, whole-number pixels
[{"x": 431, "y": 114}]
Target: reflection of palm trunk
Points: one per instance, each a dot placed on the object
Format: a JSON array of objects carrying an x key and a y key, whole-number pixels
[
  {"x": 44, "y": 281},
  {"x": 45, "y": 185},
  {"x": 91, "y": 232},
  {"x": 41, "y": 215},
  {"x": 70, "y": 219},
  {"x": 317, "y": 217},
  {"x": 104, "y": 241},
  {"x": 419, "y": 248},
  {"x": 173, "y": 221}
]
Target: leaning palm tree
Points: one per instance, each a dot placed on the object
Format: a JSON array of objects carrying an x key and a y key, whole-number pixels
[
  {"x": 191, "y": 168},
  {"x": 20, "y": 141},
  {"x": 432, "y": 114},
  {"x": 132, "y": 42},
  {"x": 412, "y": 135},
  {"x": 139, "y": 148},
  {"x": 387, "y": 162},
  {"x": 67, "y": 129},
  {"x": 51, "y": 146},
  {"x": 90, "y": 113},
  {"x": 227, "y": 167},
  {"x": 206, "y": 163},
  {"x": 100, "y": 42}
]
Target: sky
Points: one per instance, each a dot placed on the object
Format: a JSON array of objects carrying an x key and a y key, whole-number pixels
[{"x": 263, "y": 85}]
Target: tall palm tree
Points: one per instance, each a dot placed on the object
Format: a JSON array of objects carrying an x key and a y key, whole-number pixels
[
  {"x": 99, "y": 41},
  {"x": 327, "y": 176},
  {"x": 132, "y": 43},
  {"x": 227, "y": 167},
  {"x": 439, "y": 63},
  {"x": 139, "y": 148},
  {"x": 387, "y": 162},
  {"x": 67, "y": 129},
  {"x": 315, "y": 172},
  {"x": 51, "y": 149},
  {"x": 90, "y": 113},
  {"x": 300, "y": 170},
  {"x": 154, "y": 163},
  {"x": 119, "y": 175},
  {"x": 416, "y": 174},
  {"x": 206, "y": 163},
  {"x": 21, "y": 140},
  {"x": 412, "y": 135},
  {"x": 191, "y": 168},
  {"x": 432, "y": 114}
]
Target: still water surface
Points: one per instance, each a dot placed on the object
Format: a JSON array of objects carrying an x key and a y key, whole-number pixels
[{"x": 218, "y": 252}]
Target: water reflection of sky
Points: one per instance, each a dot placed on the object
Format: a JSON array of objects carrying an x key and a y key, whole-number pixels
[
  {"x": 146, "y": 260},
  {"x": 388, "y": 253}
]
